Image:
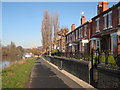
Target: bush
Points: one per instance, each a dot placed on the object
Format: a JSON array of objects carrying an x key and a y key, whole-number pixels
[
  {"x": 102, "y": 58},
  {"x": 54, "y": 51},
  {"x": 111, "y": 60}
]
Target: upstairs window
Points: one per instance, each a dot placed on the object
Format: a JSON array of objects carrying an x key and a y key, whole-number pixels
[
  {"x": 76, "y": 34},
  {"x": 72, "y": 36},
  {"x": 85, "y": 30},
  {"x": 110, "y": 19},
  {"x": 79, "y": 33},
  {"x": 67, "y": 38},
  {"x": 105, "y": 21},
  {"x": 119, "y": 15},
  {"x": 98, "y": 25}
]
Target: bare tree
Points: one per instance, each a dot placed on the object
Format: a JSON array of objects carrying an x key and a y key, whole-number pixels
[
  {"x": 46, "y": 31},
  {"x": 55, "y": 26}
]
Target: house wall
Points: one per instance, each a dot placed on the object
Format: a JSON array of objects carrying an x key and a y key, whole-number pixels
[{"x": 91, "y": 30}]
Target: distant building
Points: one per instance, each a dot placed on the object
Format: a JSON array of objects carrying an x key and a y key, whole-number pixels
[{"x": 61, "y": 40}]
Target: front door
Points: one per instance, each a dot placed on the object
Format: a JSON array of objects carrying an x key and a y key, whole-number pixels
[{"x": 105, "y": 42}]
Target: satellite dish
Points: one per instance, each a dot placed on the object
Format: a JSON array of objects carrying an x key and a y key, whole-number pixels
[{"x": 81, "y": 13}]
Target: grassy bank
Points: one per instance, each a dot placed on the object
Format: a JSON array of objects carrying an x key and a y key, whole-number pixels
[{"x": 17, "y": 75}]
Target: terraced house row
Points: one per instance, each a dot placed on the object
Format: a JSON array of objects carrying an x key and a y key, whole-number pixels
[{"x": 101, "y": 32}]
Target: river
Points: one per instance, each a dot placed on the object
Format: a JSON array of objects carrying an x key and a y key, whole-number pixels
[{"x": 9, "y": 60}]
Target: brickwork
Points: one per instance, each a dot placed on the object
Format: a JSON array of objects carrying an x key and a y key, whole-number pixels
[{"x": 95, "y": 23}]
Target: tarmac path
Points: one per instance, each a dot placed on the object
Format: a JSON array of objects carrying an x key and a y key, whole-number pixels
[{"x": 44, "y": 75}]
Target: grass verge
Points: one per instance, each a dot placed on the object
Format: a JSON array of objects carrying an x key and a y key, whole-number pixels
[{"x": 17, "y": 75}]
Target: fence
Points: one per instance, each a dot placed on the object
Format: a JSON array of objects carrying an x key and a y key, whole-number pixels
[{"x": 99, "y": 57}]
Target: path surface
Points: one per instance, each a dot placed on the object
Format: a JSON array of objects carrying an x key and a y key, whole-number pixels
[{"x": 46, "y": 76}]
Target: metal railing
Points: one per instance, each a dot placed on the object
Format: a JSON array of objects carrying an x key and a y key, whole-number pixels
[{"x": 99, "y": 57}]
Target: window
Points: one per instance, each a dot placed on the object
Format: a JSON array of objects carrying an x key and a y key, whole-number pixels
[
  {"x": 92, "y": 43},
  {"x": 72, "y": 36},
  {"x": 114, "y": 43},
  {"x": 98, "y": 25},
  {"x": 119, "y": 15},
  {"x": 97, "y": 44},
  {"x": 85, "y": 47},
  {"x": 110, "y": 19},
  {"x": 76, "y": 34},
  {"x": 105, "y": 21},
  {"x": 79, "y": 33},
  {"x": 85, "y": 30},
  {"x": 80, "y": 46},
  {"x": 67, "y": 38}
]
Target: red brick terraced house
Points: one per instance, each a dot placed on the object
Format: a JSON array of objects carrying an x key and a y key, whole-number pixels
[{"x": 101, "y": 32}]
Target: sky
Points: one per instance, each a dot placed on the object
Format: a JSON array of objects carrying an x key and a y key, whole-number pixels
[{"x": 21, "y": 21}]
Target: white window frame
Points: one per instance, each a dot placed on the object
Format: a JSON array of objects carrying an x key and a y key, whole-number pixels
[
  {"x": 98, "y": 25},
  {"x": 109, "y": 21},
  {"x": 92, "y": 44},
  {"x": 119, "y": 15},
  {"x": 105, "y": 21},
  {"x": 76, "y": 34}
]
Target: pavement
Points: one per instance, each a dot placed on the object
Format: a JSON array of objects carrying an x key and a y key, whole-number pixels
[{"x": 47, "y": 75}]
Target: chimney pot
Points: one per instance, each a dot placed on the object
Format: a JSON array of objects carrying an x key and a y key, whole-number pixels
[
  {"x": 102, "y": 6},
  {"x": 83, "y": 20},
  {"x": 73, "y": 27}
]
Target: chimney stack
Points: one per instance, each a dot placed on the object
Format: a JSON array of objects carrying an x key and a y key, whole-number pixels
[
  {"x": 73, "y": 27},
  {"x": 102, "y": 6},
  {"x": 83, "y": 20}
]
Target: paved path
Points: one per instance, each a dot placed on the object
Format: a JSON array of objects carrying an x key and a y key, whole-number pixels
[{"x": 46, "y": 76}]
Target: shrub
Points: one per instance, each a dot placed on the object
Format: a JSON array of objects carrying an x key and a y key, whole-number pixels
[
  {"x": 102, "y": 58},
  {"x": 111, "y": 60},
  {"x": 54, "y": 52}
]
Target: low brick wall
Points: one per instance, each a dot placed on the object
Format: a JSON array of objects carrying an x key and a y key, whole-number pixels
[
  {"x": 79, "y": 68},
  {"x": 108, "y": 78}
]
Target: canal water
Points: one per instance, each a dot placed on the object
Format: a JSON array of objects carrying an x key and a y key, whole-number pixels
[{"x": 9, "y": 60}]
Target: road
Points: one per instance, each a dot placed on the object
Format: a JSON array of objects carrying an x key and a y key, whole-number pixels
[{"x": 46, "y": 76}]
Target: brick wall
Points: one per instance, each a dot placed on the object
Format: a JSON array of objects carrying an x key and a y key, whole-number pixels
[
  {"x": 115, "y": 17},
  {"x": 108, "y": 78},
  {"x": 78, "y": 68}
]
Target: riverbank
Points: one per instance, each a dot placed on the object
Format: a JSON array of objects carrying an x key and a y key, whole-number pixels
[{"x": 17, "y": 75}]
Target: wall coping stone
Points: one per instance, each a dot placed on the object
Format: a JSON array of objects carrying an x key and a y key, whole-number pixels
[{"x": 71, "y": 59}]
